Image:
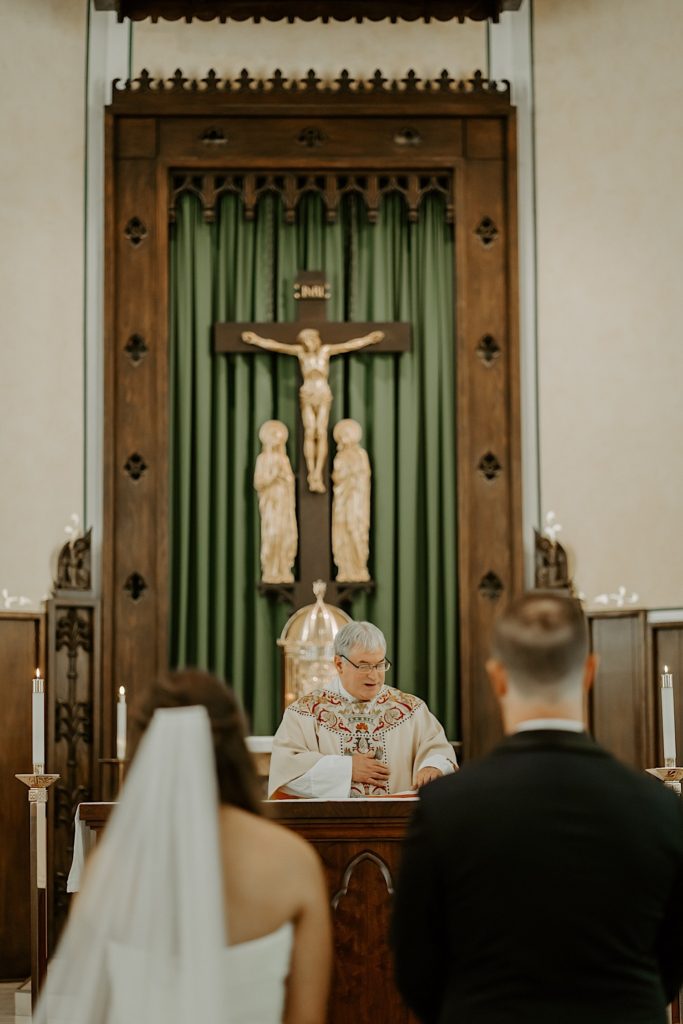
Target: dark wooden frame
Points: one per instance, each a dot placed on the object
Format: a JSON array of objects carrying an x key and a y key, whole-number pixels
[{"x": 467, "y": 129}]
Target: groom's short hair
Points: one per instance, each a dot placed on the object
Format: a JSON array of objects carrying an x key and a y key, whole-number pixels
[{"x": 542, "y": 640}]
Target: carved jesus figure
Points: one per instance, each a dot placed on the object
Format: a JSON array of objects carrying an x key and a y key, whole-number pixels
[{"x": 315, "y": 395}]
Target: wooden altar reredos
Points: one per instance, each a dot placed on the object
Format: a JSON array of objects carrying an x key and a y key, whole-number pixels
[{"x": 169, "y": 137}]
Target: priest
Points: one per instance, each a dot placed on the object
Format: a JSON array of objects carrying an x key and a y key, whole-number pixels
[{"x": 358, "y": 737}]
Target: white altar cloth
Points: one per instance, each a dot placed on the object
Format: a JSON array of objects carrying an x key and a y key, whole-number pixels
[{"x": 84, "y": 840}]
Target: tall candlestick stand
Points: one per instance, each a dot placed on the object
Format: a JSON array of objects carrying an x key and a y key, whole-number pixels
[
  {"x": 38, "y": 784},
  {"x": 671, "y": 776}
]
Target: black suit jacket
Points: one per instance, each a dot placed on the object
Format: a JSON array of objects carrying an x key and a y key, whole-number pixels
[{"x": 544, "y": 884}]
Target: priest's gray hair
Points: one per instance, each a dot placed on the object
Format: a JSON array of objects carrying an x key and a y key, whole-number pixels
[
  {"x": 363, "y": 635},
  {"x": 542, "y": 640}
]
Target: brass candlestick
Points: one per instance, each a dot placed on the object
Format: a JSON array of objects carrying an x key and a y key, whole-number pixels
[
  {"x": 38, "y": 783},
  {"x": 670, "y": 775}
]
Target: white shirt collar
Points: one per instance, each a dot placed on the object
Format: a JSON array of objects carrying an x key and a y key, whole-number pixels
[
  {"x": 559, "y": 724},
  {"x": 347, "y": 696}
]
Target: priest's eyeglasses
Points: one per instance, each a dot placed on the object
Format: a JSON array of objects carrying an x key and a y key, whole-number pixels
[{"x": 382, "y": 666}]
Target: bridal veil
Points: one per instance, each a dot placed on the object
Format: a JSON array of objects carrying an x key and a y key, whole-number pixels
[{"x": 146, "y": 936}]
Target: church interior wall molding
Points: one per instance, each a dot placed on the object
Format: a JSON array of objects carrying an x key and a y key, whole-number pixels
[
  {"x": 308, "y": 10},
  {"x": 108, "y": 55},
  {"x": 511, "y": 56},
  {"x": 314, "y": 96}
]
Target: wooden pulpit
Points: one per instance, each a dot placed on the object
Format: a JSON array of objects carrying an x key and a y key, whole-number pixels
[{"x": 359, "y": 843}]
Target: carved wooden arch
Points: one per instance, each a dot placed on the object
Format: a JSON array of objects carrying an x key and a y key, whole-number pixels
[
  {"x": 382, "y": 867},
  {"x": 459, "y": 135}
]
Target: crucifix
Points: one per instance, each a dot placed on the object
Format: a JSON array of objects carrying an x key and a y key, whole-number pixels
[{"x": 313, "y": 340}]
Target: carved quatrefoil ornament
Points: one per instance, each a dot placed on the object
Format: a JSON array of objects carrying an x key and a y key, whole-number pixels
[
  {"x": 135, "y": 466},
  {"x": 136, "y": 232},
  {"x": 489, "y": 466},
  {"x": 135, "y": 585},
  {"x": 213, "y": 138},
  {"x": 136, "y": 349},
  {"x": 487, "y": 232},
  {"x": 491, "y": 586},
  {"x": 408, "y": 137},
  {"x": 311, "y": 137},
  {"x": 488, "y": 350}
]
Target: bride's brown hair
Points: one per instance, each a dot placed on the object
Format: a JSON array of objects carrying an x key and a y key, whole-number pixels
[{"x": 237, "y": 782}]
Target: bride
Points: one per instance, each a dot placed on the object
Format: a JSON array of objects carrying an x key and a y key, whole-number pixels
[{"x": 194, "y": 908}]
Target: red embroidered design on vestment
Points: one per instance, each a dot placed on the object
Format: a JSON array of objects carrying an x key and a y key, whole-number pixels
[{"x": 359, "y": 726}]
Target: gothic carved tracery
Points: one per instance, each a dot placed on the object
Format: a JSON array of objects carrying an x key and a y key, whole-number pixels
[
  {"x": 72, "y": 738},
  {"x": 291, "y": 187}
]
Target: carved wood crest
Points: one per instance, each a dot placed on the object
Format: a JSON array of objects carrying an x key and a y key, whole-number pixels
[{"x": 73, "y": 564}]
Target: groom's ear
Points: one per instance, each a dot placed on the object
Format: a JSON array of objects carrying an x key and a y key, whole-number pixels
[{"x": 497, "y": 677}]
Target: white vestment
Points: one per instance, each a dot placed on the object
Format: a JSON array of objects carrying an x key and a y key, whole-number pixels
[{"x": 319, "y": 732}]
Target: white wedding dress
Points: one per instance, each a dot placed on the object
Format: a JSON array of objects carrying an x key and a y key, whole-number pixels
[
  {"x": 146, "y": 942},
  {"x": 252, "y": 982}
]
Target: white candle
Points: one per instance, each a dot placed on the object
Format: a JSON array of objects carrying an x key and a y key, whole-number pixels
[
  {"x": 668, "y": 723},
  {"x": 121, "y": 725},
  {"x": 38, "y": 720}
]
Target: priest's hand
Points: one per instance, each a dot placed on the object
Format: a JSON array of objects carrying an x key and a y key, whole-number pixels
[
  {"x": 367, "y": 770},
  {"x": 426, "y": 775}
]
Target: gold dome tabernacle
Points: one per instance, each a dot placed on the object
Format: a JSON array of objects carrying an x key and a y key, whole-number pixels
[{"x": 308, "y": 643}]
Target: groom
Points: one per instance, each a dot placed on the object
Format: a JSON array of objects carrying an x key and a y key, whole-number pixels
[{"x": 545, "y": 882}]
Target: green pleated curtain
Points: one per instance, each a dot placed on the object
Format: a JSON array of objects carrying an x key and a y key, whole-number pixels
[{"x": 244, "y": 270}]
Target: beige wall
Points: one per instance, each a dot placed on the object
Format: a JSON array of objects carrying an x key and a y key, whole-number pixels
[
  {"x": 609, "y": 94},
  {"x": 295, "y": 48},
  {"x": 42, "y": 56}
]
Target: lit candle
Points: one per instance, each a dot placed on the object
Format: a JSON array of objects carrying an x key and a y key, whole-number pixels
[
  {"x": 121, "y": 725},
  {"x": 668, "y": 724},
  {"x": 38, "y": 718}
]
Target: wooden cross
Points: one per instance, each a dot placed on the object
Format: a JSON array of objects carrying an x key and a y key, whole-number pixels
[{"x": 310, "y": 332}]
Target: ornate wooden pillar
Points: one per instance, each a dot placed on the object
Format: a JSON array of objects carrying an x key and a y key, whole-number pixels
[
  {"x": 136, "y": 506},
  {"x": 73, "y": 708},
  {"x": 489, "y": 462}
]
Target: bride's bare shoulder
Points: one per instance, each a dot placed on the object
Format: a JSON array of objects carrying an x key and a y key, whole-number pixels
[{"x": 251, "y": 828}]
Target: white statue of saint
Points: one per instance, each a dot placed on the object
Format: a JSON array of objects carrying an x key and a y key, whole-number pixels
[
  {"x": 350, "y": 504},
  {"x": 274, "y": 482},
  {"x": 315, "y": 395}
]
